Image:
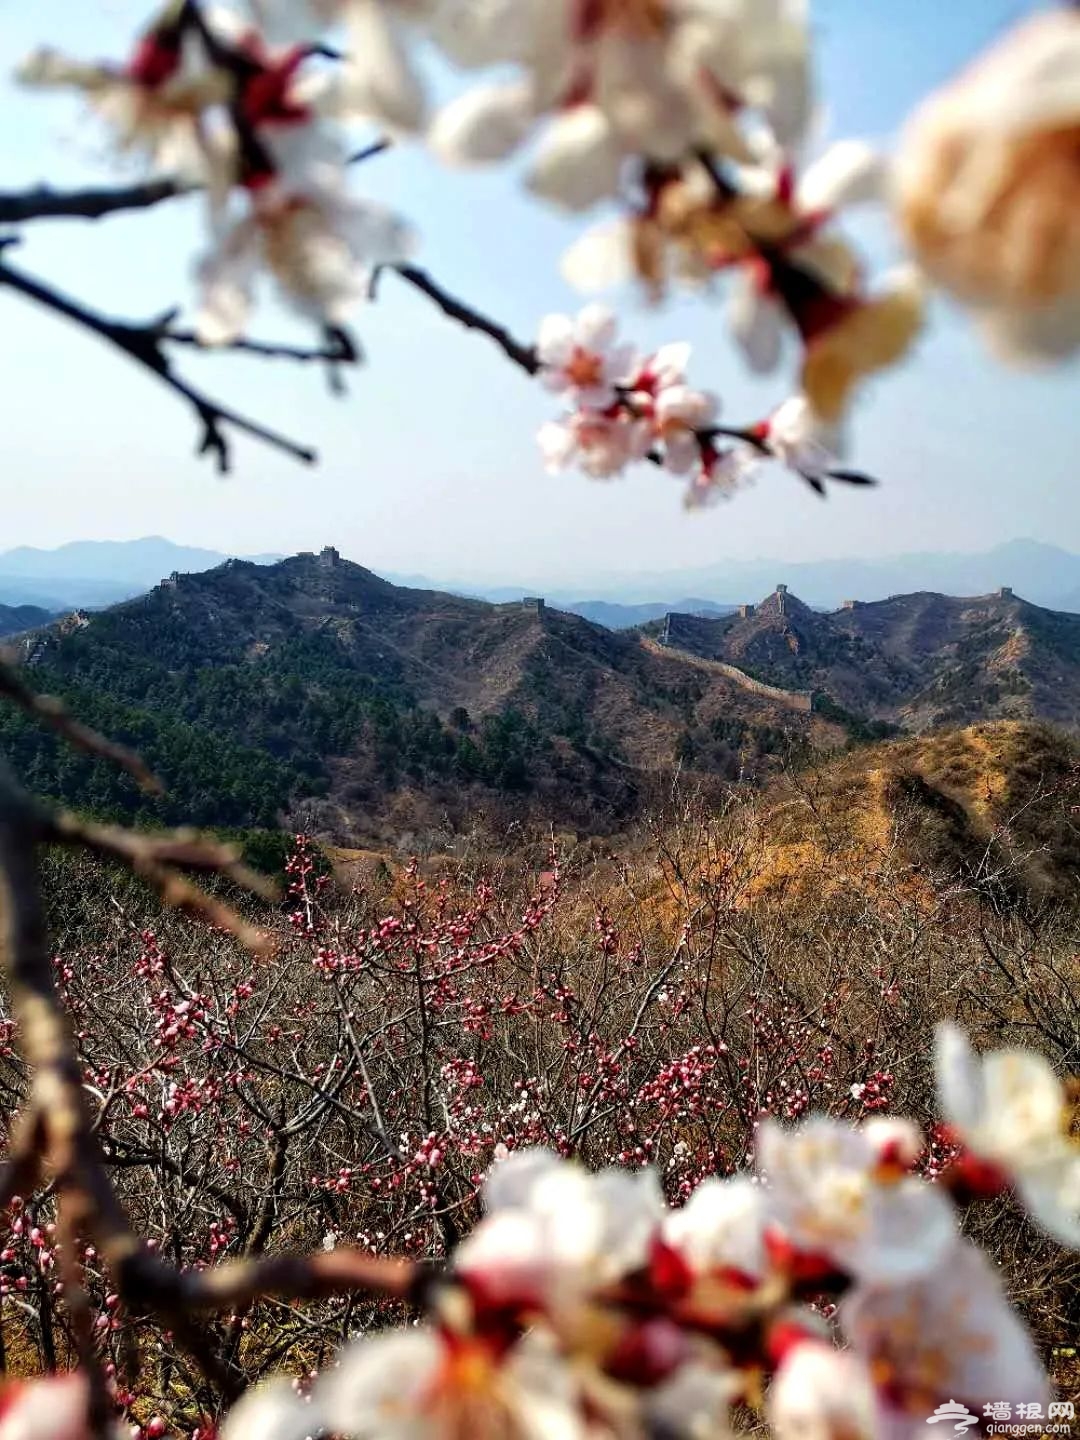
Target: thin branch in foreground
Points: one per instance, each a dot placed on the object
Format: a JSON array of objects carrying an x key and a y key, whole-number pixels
[
  {"x": 159, "y": 860},
  {"x": 143, "y": 345},
  {"x": 94, "y": 203},
  {"x": 339, "y": 347},
  {"x": 369, "y": 152},
  {"x": 524, "y": 356},
  {"x": 54, "y": 713},
  {"x": 98, "y": 202}
]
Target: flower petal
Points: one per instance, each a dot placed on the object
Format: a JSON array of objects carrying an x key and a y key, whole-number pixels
[
  {"x": 601, "y": 258},
  {"x": 849, "y": 172},
  {"x": 271, "y": 1411},
  {"x": 596, "y": 327},
  {"x": 756, "y": 325},
  {"x": 579, "y": 160},
  {"x": 485, "y": 124}
]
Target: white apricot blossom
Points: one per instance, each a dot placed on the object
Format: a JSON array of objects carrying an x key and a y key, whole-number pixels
[
  {"x": 721, "y": 1229},
  {"x": 553, "y": 1231},
  {"x": 723, "y": 472},
  {"x": 271, "y": 1411},
  {"x": 601, "y": 444},
  {"x": 681, "y": 413},
  {"x": 582, "y": 359},
  {"x": 378, "y": 79},
  {"x": 319, "y": 243},
  {"x": 420, "y": 1384},
  {"x": 821, "y": 1393},
  {"x": 838, "y": 1192},
  {"x": 987, "y": 189},
  {"x": 1010, "y": 1108},
  {"x": 944, "y": 1334},
  {"x": 648, "y": 78},
  {"x": 796, "y": 436},
  {"x": 154, "y": 104},
  {"x": 53, "y": 1408}
]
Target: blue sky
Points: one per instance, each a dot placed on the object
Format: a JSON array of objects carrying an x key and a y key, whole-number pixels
[{"x": 430, "y": 464}]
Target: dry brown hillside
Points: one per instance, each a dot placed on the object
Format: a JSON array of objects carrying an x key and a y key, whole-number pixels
[{"x": 996, "y": 805}]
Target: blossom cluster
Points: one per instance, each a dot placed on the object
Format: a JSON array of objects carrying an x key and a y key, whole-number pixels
[
  {"x": 207, "y": 97},
  {"x": 624, "y": 407},
  {"x": 582, "y": 1305},
  {"x": 693, "y": 117}
]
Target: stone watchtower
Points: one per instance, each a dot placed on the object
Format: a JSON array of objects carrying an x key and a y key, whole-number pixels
[
  {"x": 745, "y": 611},
  {"x": 1006, "y": 593},
  {"x": 534, "y": 603},
  {"x": 328, "y": 558},
  {"x": 781, "y": 598}
]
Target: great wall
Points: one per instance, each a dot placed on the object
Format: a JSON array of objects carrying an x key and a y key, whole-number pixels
[{"x": 802, "y": 700}]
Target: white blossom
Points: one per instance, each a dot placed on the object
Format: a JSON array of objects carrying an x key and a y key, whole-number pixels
[
  {"x": 1010, "y": 1108},
  {"x": 987, "y": 189},
  {"x": 649, "y": 77},
  {"x": 602, "y": 445},
  {"x": 154, "y": 105},
  {"x": 553, "y": 1231},
  {"x": 837, "y": 1194},
  {"x": 319, "y": 243},
  {"x": 379, "y": 79},
  {"x": 722, "y": 473},
  {"x": 416, "y": 1384},
  {"x": 801, "y": 440},
  {"x": 721, "y": 1228},
  {"x": 821, "y": 1393},
  {"x": 271, "y": 1411},
  {"x": 581, "y": 358},
  {"x": 945, "y": 1334},
  {"x": 680, "y": 413},
  {"x": 54, "y": 1408}
]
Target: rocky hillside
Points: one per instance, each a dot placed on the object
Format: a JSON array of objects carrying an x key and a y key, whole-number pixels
[
  {"x": 992, "y": 805},
  {"x": 311, "y": 692},
  {"x": 913, "y": 661}
]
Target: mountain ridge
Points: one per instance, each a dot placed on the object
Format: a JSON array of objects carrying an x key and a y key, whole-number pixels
[
  {"x": 915, "y": 661},
  {"x": 338, "y": 702},
  {"x": 92, "y": 574}
]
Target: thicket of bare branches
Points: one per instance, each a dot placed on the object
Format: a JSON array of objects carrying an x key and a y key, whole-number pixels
[{"x": 349, "y": 1086}]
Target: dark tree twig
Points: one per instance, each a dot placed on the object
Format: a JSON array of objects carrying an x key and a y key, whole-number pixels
[
  {"x": 143, "y": 344},
  {"x": 93, "y": 203},
  {"x": 524, "y": 356}
]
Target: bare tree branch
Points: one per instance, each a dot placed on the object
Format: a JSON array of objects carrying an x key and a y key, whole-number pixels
[
  {"x": 93, "y": 203},
  {"x": 143, "y": 344},
  {"x": 339, "y": 347},
  {"x": 524, "y": 356},
  {"x": 98, "y": 202}
]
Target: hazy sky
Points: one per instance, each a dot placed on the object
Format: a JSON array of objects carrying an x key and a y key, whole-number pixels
[{"x": 430, "y": 464}]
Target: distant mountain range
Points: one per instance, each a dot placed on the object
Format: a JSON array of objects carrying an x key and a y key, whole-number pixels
[
  {"x": 313, "y": 694},
  {"x": 1044, "y": 574},
  {"x": 88, "y": 574},
  {"x": 913, "y": 661},
  {"x": 14, "y": 618},
  {"x": 92, "y": 574}
]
